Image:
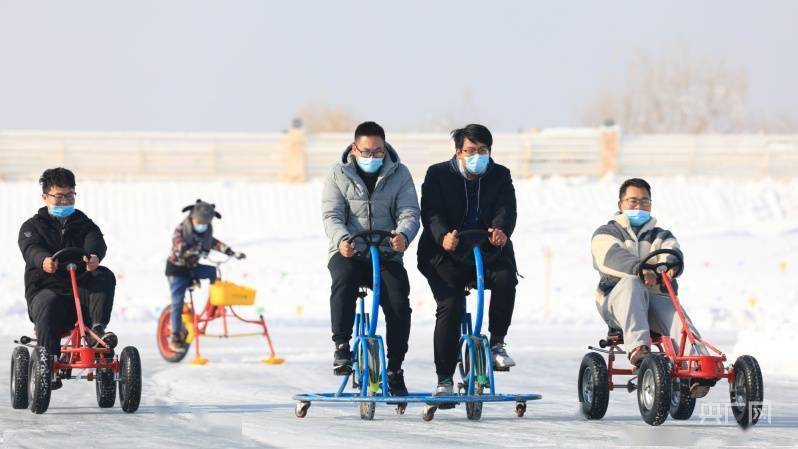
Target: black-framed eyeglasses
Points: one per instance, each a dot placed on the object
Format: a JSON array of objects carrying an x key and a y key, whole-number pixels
[
  {"x": 376, "y": 152},
  {"x": 63, "y": 196},
  {"x": 634, "y": 202},
  {"x": 483, "y": 150}
]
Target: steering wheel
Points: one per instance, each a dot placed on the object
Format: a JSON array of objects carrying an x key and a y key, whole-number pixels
[
  {"x": 370, "y": 238},
  {"x": 70, "y": 254},
  {"x": 661, "y": 267}
]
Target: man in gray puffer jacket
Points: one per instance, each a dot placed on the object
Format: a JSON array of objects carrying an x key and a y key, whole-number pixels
[{"x": 369, "y": 189}]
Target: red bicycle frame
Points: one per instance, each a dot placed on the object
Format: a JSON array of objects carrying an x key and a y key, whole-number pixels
[
  {"x": 708, "y": 367},
  {"x": 80, "y": 356},
  {"x": 210, "y": 313}
]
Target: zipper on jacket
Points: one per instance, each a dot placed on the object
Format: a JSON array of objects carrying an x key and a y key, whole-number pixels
[
  {"x": 465, "y": 215},
  {"x": 479, "y": 192},
  {"x": 371, "y": 219}
]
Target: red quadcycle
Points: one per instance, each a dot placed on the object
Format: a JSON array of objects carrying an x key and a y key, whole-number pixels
[
  {"x": 33, "y": 375},
  {"x": 665, "y": 378}
]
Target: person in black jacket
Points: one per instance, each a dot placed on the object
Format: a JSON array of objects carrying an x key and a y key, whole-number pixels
[
  {"x": 48, "y": 290},
  {"x": 470, "y": 191}
]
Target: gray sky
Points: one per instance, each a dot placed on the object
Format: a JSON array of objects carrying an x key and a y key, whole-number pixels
[{"x": 234, "y": 65}]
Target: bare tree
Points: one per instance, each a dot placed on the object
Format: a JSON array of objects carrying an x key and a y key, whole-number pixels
[
  {"x": 780, "y": 124},
  {"x": 675, "y": 94},
  {"x": 318, "y": 118},
  {"x": 458, "y": 114}
]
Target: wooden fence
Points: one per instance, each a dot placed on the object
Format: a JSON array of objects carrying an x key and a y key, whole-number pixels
[{"x": 297, "y": 156}]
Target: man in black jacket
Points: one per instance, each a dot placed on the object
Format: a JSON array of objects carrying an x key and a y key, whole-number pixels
[
  {"x": 470, "y": 191},
  {"x": 48, "y": 290}
]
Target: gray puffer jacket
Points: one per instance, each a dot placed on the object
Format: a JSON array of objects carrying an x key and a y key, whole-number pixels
[{"x": 347, "y": 207}]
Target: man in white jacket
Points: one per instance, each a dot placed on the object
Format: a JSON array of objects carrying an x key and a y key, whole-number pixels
[{"x": 627, "y": 299}]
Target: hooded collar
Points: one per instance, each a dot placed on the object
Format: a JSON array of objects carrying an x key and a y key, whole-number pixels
[
  {"x": 623, "y": 221},
  {"x": 76, "y": 217},
  {"x": 187, "y": 233},
  {"x": 454, "y": 165},
  {"x": 389, "y": 164}
]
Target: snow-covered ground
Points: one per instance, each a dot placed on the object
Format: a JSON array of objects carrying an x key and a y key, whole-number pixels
[{"x": 740, "y": 287}]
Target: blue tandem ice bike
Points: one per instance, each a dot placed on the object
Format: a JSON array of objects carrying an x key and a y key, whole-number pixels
[{"x": 369, "y": 377}]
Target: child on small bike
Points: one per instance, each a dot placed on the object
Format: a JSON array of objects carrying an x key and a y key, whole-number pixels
[{"x": 192, "y": 239}]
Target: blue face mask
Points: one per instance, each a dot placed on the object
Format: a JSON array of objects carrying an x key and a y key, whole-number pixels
[
  {"x": 200, "y": 228},
  {"x": 637, "y": 217},
  {"x": 369, "y": 164},
  {"x": 61, "y": 211},
  {"x": 477, "y": 164}
]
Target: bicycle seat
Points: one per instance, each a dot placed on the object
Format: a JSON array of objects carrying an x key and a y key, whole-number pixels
[{"x": 470, "y": 285}]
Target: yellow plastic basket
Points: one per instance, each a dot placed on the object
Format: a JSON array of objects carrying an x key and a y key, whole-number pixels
[{"x": 225, "y": 293}]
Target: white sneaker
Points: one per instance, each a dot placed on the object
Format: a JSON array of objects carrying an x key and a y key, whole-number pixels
[
  {"x": 444, "y": 388},
  {"x": 501, "y": 360}
]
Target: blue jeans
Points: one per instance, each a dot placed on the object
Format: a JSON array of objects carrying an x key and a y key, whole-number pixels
[{"x": 178, "y": 286}]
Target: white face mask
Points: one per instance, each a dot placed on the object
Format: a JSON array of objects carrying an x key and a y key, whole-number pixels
[{"x": 200, "y": 228}]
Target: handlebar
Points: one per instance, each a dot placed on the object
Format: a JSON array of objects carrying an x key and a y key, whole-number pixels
[
  {"x": 370, "y": 238},
  {"x": 217, "y": 263},
  {"x": 480, "y": 235}
]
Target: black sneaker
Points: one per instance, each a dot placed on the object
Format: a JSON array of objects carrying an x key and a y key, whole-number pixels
[
  {"x": 342, "y": 360},
  {"x": 56, "y": 383},
  {"x": 396, "y": 382},
  {"x": 177, "y": 342},
  {"x": 109, "y": 338}
]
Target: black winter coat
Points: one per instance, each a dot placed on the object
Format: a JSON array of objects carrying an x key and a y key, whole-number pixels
[
  {"x": 444, "y": 208},
  {"x": 42, "y": 235}
]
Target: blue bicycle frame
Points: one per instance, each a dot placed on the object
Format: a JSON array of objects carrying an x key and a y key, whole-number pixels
[
  {"x": 365, "y": 332},
  {"x": 365, "y": 335},
  {"x": 473, "y": 335}
]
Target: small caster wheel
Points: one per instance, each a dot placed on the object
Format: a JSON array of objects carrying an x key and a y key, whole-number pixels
[
  {"x": 428, "y": 412},
  {"x": 301, "y": 409},
  {"x": 367, "y": 410},
  {"x": 400, "y": 408},
  {"x": 520, "y": 409},
  {"x": 474, "y": 411}
]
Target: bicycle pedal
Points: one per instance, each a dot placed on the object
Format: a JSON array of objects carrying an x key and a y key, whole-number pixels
[{"x": 342, "y": 370}]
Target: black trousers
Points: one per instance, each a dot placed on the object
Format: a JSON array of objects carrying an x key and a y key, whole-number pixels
[
  {"x": 448, "y": 281},
  {"x": 53, "y": 313},
  {"x": 348, "y": 274}
]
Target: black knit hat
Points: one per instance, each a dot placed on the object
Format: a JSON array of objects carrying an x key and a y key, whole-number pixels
[{"x": 203, "y": 212}]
